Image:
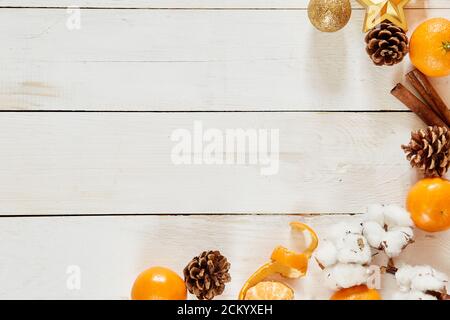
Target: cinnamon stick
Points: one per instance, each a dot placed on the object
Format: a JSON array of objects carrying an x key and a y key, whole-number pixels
[
  {"x": 417, "y": 106},
  {"x": 426, "y": 90}
]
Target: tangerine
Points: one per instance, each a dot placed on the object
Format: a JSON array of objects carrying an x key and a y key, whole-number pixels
[
  {"x": 429, "y": 204},
  {"x": 159, "y": 283},
  {"x": 429, "y": 48},
  {"x": 361, "y": 292}
]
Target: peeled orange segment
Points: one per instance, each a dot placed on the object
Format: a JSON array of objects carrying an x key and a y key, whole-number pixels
[
  {"x": 288, "y": 263},
  {"x": 270, "y": 290},
  {"x": 262, "y": 273},
  {"x": 268, "y": 270}
]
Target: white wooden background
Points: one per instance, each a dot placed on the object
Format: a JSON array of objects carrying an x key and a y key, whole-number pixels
[{"x": 86, "y": 117}]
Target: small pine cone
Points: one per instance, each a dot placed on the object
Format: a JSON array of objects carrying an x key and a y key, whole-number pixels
[
  {"x": 429, "y": 150},
  {"x": 206, "y": 275},
  {"x": 387, "y": 44}
]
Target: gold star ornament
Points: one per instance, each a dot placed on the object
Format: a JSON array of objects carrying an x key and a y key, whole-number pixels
[{"x": 378, "y": 11}]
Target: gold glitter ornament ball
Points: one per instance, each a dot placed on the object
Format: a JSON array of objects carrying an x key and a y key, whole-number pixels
[{"x": 329, "y": 15}]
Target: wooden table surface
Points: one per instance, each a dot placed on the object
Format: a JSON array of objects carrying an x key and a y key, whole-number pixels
[{"x": 86, "y": 117}]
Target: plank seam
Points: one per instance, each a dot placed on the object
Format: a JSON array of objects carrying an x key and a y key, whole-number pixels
[
  {"x": 181, "y": 8},
  {"x": 177, "y": 215},
  {"x": 205, "y": 111}
]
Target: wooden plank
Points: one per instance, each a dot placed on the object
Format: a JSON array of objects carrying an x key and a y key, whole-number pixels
[
  {"x": 117, "y": 163},
  {"x": 191, "y": 60},
  {"x": 111, "y": 251},
  {"x": 241, "y": 4}
]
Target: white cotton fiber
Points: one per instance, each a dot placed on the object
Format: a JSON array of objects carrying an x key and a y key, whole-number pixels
[
  {"x": 413, "y": 295},
  {"x": 375, "y": 212},
  {"x": 353, "y": 248},
  {"x": 395, "y": 216},
  {"x": 326, "y": 254},
  {"x": 420, "y": 278},
  {"x": 344, "y": 275},
  {"x": 374, "y": 233}
]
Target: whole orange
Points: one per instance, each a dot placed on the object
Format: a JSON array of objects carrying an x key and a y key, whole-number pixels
[
  {"x": 429, "y": 48},
  {"x": 356, "y": 293},
  {"x": 159, "y": 283},
  {"x": 429, "y": 204}
]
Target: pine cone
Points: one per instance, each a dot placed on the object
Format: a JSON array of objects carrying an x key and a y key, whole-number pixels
[
  {"x": 387, "y": 44},
  {"x": 206, "y": 275},
  {"x": 429, "y": 150}
]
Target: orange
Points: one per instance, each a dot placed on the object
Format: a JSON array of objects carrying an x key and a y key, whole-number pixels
[
  {"x": 429, "y": 48},
  {"x": 429, "y": 204},
  {"x": 270, "y": 290},
  {"x": 356, "y": 293},
  {"x": 159, "y": 283}
]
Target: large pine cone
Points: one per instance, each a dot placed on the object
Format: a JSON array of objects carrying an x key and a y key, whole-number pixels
[
  {"x": 206, "y": 275},
  {"x": 429, "y": 150},
  {"x": 387, "y": 44}
]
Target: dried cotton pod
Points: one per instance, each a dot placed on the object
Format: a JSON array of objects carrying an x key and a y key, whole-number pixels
[
  {"x": 388, "y": 228},
  {"x": 420, "y": 283},
  {"x": 343, "y": 275},
  {"x": 344, "y": 256}
]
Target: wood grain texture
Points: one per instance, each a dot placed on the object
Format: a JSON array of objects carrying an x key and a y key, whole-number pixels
[
  {"x": 241, "y": 4},
  {"x": 192, "y": 60},
  {"x": 112, "y": 251},
  {"x": 115, "y": 163},
  {"x": 217, "y": 55}
]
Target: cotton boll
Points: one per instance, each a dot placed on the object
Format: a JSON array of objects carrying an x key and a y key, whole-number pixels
[
  {"x": 441, "y": 276},
  {"x": 404, "y": 276},
  {"x": 345, "y": 276},
  {"x": 374, "y": 233},
  {"x": 398, "y": 222},
  {"x": 326, "y": 254},
  {"x": 407, "y": 231},
  {"x": 413, "y": 295},
  {"x": 375, "y": 213},
  {"x": 340, "y": 230},
  {"x": 353, "y": 248},
  {"x": 394, "y": 242},
  {"x": 428, "y": 278},
  {"x": 422, "y": 278},
  {"x": 395, "y": 216},
  {"x": 329, "y": 279},
  {"x": 427, "y": 282}
]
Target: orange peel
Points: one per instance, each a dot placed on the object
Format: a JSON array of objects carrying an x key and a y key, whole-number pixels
[{"x": 288, "y": 263}]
